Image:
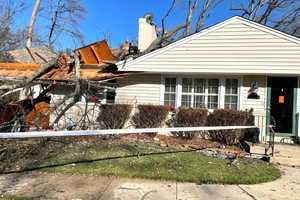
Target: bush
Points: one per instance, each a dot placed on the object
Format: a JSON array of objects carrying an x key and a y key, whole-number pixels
[
  {"x": 188, "y": 117},
  {"x": 226, "y": 117},
  {"x": 150, "y": 116},
  {"x": 114, "y": 116}
]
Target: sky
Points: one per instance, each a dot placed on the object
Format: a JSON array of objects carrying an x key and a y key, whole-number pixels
[{"x": 117, "y": 20}]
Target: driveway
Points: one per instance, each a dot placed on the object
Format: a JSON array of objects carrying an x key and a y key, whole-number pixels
[{"x": 64, "y": 186}]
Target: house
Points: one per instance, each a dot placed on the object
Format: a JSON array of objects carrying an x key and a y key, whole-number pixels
[
  {"x": 97, "y": 69},
  {"x": 236, "y": 64}
]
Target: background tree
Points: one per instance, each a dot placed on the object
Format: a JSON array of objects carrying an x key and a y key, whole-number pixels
[
  {"x": 32, "y": 21},
  {"x": 59, "y": 20},
  {"x": 196, "y": 13},
  {"x": 283, "y": 15},
  {"x": 10, "y": 37},
  {"x": 56, "y": 20}
]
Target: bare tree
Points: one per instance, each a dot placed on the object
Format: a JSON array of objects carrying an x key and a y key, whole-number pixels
[
  {"x": 32, "y": 22},
  {"x": 195, "y": 8},
  {"x": 280, "y": 14},
  {"x": 191, "y": 9},
  {"x": 10, "y": 38},
  {"x": 66, "y": 16},
  {"x": 204, "y": 12}
]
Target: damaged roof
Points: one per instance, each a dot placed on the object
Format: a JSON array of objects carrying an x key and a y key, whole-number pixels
[
  {"x": 96, "y": 63},
  {"x": 96, "y": 53}
]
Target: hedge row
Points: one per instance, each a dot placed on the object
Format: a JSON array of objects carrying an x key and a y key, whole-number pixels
[
  {"x": 116, "y": 116},
  {"x": 150, "y": 116}
]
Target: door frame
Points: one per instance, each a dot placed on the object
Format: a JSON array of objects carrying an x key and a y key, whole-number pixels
[{"x": 294, "y": 117}]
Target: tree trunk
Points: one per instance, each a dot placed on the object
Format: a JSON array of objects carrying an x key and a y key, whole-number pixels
[{"x": 31, "y": 23}]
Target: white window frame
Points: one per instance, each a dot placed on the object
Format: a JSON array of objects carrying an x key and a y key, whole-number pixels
[
  {"x": 221, "y": 90},
  {"x": 162, "y": 90},
  {"x": 233, "y": 95}
]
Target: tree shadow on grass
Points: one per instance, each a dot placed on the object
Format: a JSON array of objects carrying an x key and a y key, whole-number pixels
[{"x": 45, "y": 154}]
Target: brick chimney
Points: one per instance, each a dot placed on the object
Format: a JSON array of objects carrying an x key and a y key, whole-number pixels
[{"x": 147, "y": 32}]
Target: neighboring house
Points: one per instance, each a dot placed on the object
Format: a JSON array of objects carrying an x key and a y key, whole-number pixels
[
  {"x": 237, "y": 64},
  {"x": 38, "y": 55}
]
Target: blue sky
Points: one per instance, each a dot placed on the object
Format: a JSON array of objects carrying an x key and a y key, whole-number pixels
[{"x": 118, "y": 19}]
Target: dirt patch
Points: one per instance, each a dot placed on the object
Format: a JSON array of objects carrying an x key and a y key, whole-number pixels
[
  {"x": 57, "y": 186},
  {"x": 175, "y": 142}
]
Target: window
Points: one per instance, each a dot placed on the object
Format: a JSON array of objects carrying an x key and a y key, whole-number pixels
[
  {"x": 213, "y": 93},
  {"x": 199, "y": 97},
  {"x": 200, "y": 93},
  {"x": 187, "y": 92},
  {"x": 170, "y": 91},
  {"x": 231, "y": 94}
]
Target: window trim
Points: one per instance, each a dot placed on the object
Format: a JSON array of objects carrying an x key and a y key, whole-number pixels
[
  {"x": 221, "y": 90},
  {"x": 163, "y": 87},
  {"x": 231, "y": 94}
]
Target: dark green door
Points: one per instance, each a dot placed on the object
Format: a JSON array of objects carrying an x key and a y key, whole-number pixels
[{"x": 282, "y": 94}]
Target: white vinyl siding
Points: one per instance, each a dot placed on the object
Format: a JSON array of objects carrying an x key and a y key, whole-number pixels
[
  {"x": 259, "y": 105},
  {"x": 139, "y": 89},
  {"x": 234, "y": 48}
]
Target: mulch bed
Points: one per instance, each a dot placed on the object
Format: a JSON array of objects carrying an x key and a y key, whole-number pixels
[{"x": 173, "y": 142}]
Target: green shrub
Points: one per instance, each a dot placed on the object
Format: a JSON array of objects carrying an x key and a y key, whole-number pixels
[
  {"x": 188, "y": 117},
  {"x": 226, "y": 117},
  {"x": 114, "y": 116},
  {"x": 150, "y": 116}
]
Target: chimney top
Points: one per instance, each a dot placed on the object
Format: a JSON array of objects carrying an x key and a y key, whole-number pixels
[{"x": 147, "y": 32}]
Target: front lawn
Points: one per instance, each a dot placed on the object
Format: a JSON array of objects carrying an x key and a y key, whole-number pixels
[
  {"x": 183, "y": 166},
  {"x": 115, "y": 157}
]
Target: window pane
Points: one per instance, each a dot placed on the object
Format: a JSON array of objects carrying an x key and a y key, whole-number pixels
[
  {"x": 231, "y": 86},
  {"x": 170, "y": 99},
  {"x": 213, "y": 86},
  {"x": 186, "y": 100},
  {"x": 200, "y": 85},
  {"x": 170, "y": 85},
  {"x": 231, "y": 102},
  {"x": 199, "y": 101},
  {"x": 212, "y": 102},
  {"x": 187, "y": 84}
]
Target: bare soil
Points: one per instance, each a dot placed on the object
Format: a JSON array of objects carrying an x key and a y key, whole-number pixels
[{"x": 173, "y": 142}]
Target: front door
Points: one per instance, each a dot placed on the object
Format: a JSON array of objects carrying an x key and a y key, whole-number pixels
[{"x": 282, "y": 104}]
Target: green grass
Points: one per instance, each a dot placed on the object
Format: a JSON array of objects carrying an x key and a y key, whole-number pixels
[
  {"x": 110, "y": 158},
  {"x": 184, "y": 166}
]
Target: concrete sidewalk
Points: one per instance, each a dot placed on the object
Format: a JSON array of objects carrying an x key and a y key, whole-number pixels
[{"x": 64, "y": 186}]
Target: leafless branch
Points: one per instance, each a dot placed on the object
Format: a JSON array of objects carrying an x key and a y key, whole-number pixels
[{"x": 191, "y": 9}]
